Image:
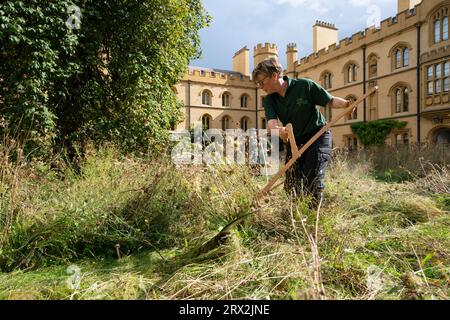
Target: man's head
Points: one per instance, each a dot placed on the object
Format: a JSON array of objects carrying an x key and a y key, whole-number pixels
[{"x": 267, "y": 73}]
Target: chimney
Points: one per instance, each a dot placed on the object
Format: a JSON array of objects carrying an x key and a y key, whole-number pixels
[
  {"x": 241, "y": 61},
  {"x": 324, "y": 35},
  {"x": 406, "y": 4}
]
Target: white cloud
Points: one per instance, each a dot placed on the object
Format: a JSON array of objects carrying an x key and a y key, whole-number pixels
[
  {"x": 294, "y": 3},
  {"x": 318, "y": 7},
  {"x": 360, "y": 3},
  {"x": 237, "y": 23},
  {"x": 315, "y": 5},
  {"x": 367, "y": 3}
]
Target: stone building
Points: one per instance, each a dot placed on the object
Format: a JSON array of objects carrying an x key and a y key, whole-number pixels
[{"x": 407, "y": 57}]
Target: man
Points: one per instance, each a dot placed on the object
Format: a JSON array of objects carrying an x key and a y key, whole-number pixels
[{"x": 295, "y": 101}]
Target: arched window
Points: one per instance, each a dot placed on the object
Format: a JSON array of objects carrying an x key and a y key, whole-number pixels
[
  {"x": 400, "y": 55},
  {"x": 226, "y": 122},
  {"x": 373, "y": 66},
  {"x": 244, "y": 101},
  {"x": 206, "y": 98},
  {"x": 328, "y": 83},
  {"x": 226, "y": 99},
  {"x": 206, "y": 121},
  {"x": 264, "y": 123},
  {"x": 401, "y": 99},
  {"x": 244, "y": 123},
  {"x": 351, "y": 73},
  {"x": 439, "y": 24},
  {"x": 326, "y": 80}
]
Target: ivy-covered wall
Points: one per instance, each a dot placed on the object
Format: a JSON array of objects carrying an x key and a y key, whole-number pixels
[{"x": 375, "y": 132}]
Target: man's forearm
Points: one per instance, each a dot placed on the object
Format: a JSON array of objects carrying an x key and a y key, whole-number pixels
[{"x": 337, "y": 102}]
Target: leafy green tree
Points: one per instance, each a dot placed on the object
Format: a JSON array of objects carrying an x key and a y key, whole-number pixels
[
  {"x": 107, "y": 76},
  {"x": 36, "y": 64}
]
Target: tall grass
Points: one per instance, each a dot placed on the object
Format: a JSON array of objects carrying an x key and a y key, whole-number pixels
[
  {"x": 406, "y": 162},
  {"x": 134, "y": 227}
]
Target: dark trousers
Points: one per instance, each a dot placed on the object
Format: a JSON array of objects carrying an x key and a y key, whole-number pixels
[{"x": 307, "y": 175}]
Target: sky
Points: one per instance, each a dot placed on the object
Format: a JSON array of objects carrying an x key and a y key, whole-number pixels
[{"x": 239, "y": 23}]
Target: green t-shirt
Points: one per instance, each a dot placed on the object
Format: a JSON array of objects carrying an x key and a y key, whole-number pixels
[{"x": 298, "y": 106}]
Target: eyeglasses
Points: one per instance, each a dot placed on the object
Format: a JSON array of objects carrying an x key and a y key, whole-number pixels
[{"x": 259, "y": 84}]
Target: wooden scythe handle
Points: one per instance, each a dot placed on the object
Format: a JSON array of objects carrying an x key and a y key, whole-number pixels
[
  {"x": 291, "y": 138},
  {"x": 214, "y": 241},
  {"x": 296, "y": 155}
]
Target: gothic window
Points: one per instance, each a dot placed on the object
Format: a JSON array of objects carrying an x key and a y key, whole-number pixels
[
  {"x": 244, "y": 123},
  {"x": 226, "y": 122},
  {"x": 207, "y": 98},
  {"x": 401, "y": 99},
  {"x": 439, "y": 25},
  {"x": 206, "y": 121},
  {"x": 226, "y": 99},
  {"x": 400, "y": 56},
  {"x": 373, "y": 66},
  {"x": 326, "y": 80},
  {"x": 244, "y": 101}
]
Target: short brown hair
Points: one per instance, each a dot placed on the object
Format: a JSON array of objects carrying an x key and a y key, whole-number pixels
[{"x": 267, "y": 67}]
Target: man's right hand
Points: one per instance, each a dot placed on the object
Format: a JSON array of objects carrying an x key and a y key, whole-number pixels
[
  {"x": 274, "y": 125},
  {"x": 284, "y": 134}
]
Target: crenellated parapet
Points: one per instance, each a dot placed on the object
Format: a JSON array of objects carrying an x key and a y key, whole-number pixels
[
  {"x": 291, "y": 47},
  {"x": 262, "y": 52},
  {"x": 266, "y": 48},
  {"x": 370, "y": 35},
  {"x": 219, "y": 77}
]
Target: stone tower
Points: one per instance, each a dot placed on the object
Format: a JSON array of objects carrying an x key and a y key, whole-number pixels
[
  {"x": 291, "y": 58},
  {"x": 261, "y": 53}
]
